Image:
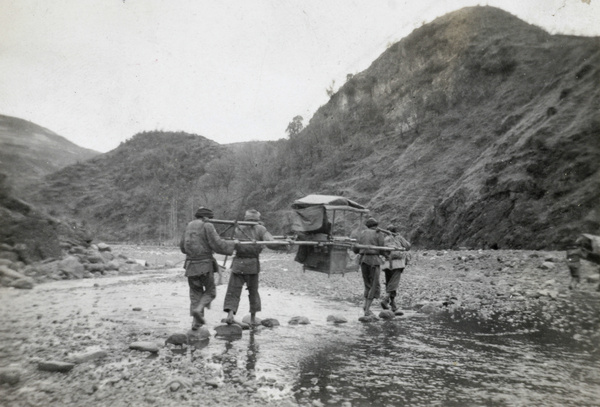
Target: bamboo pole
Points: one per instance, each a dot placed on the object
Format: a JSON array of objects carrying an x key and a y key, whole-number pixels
[{"x": 349, "y": 245}]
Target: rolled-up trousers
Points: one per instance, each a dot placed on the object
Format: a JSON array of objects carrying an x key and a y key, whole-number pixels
[{"x": 202, "y": 291}]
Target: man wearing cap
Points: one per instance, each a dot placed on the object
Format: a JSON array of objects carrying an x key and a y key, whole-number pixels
[
  {"x": 246, "y": 266},
  {"x": 370, "y": 261},
  {"x": 199, "y": 241},
  {"x": 394, "y": 266}
]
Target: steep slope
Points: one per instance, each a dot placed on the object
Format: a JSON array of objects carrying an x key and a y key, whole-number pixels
[
  {"x": 132, "y": 192},
  {"x": 475, "y": 130},
  {"x": 28, "y": 152}
]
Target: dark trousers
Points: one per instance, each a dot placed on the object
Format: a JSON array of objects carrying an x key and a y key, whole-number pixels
[
  {"x": 370, "y": 276},
  {"x": 202, "y": 290},
  {"x": 234, "y": 292},
  {"x": 392, "y": 281}
]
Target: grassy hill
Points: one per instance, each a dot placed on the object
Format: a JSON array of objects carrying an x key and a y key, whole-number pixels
[
  {"x": 29, "y": 152},
  {"x": 475, "y": 130}
]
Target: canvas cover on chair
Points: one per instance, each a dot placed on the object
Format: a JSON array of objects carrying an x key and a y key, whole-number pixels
[{"x": 310, "y": 219}]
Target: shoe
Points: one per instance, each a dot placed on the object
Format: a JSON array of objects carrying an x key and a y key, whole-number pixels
[{"x": 385, "y": 303}]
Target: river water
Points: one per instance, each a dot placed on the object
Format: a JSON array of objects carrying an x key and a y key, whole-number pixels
[{"x": 415, "y": 359}]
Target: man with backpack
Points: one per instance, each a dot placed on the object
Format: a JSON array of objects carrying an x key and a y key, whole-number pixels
[
  {"x": 199, "y": 241},
  {"x": 394, "y": 266}
]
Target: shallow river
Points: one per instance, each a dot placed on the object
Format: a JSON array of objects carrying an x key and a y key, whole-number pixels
[{"x": 412, "y": 360}]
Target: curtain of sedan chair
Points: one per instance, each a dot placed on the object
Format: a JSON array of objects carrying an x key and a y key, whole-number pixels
[{"x": 309, "y": 220}]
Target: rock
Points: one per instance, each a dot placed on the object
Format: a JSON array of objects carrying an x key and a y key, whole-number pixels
[
  {"x": 10, "y": 256},
  {"x": 387, "y": 314},
  {"x": 103, "y": 247},
  {"x": 336, "y": 319},
  {"x": 87, "y": 356},
  {"x": 142, "y": 262},
  {"x": 547, "y": 265},
  {"x": 429, "y": 308},
  {"x": 229, "y": 331},
  {"x": 144, "y": 346},
  {"x": 398, "y": 313},
  {"x": 270, "y": 322},
  {"x": 214, "y": 382},
  {"x": 72, "y": 267},
  {"x": 594, "y": 278},
  {"x": 549, "y": 283},
  {"x": 55, "y": 366},
  {"x": 199, "y": 338},
  {"x": 10, "y": 273},
  {"x": 368, "y": 318},
  {"x": 170, "y": 264},
  {"x": 299, "y": 321},
  {"x": 111, "y": 265},
  {"x": 248, "y": 318},
  {"x": 7, "y": 263},
  {"x": 95, "y": 267},
  {"x": 107, "y": 256},
  {"x": 24, "y": 283},
  {"x": 10, "y": 375},
  {"x": 177, "y": 339},
  {"x": 94, "y": 258}
]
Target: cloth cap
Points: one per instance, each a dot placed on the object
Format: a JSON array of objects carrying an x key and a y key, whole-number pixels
[
  {"x": 203, "y": 212},
  {"x": 371, "y": 222},
  {"x": 252, "y": 214}
]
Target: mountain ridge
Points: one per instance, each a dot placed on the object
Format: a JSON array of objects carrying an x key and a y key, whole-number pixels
[{"x": 476, "y": 130}]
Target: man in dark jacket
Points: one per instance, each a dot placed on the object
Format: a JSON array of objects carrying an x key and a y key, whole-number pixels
[
  {"x": 199, "y": 241},
  {"x": 370, "y": 261},
  {"x": 246, "y": 266}
]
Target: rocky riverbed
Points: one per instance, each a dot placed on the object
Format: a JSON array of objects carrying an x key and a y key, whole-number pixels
[{"x": 100, "y": 341}]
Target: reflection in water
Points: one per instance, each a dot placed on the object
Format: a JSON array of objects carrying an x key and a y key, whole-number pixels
[{"x": 417, "y": 361}]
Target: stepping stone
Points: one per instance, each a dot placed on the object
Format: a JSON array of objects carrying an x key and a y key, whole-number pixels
[
  {"x": 299, "y": 321},
  {"x": 336, "y": 319},
  {"x": 229, "y": 331},
  {"x": 199, "y": 338},
  {"x": 370, "y": 318},
  {"x": 387, "y": 314},
  {"x": 247, "y": 320},
  {"x": 177, "y": 339},
  {"x": 270, "y": 322},
  {"x": 144, "y": 346}
]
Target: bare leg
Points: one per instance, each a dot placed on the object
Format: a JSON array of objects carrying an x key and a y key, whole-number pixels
[
  {"x": 368, "y": 307},
  {"x": 198, "y": 315},
  {"x": 230, "y": 319},
  {"x": 253, "y": 318}
]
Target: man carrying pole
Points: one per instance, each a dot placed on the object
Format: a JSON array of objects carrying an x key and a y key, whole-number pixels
[
  {"x": 199, "y": 241},
  {"x": 246, "y": 266},
  {"x": 370, "y": 261}
]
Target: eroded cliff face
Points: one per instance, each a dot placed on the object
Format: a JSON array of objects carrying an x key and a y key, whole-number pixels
[{"x": 476, "y": 130}]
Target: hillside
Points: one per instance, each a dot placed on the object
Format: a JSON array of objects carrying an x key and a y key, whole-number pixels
[
  {"x": 132, "y": 192},
  {"x": 476, "y": 130},
  {"x": 29, "y": 152}
]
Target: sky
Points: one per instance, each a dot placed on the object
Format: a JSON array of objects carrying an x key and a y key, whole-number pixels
[{"x": 99, "y": 71}]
